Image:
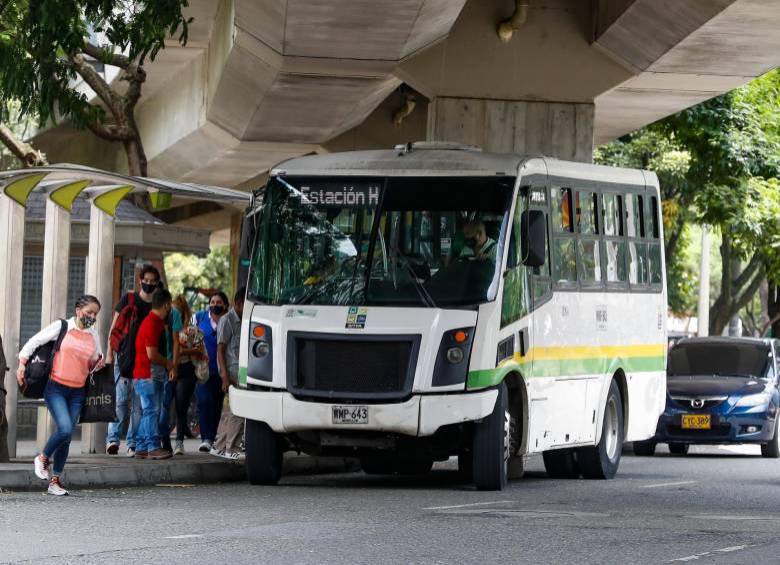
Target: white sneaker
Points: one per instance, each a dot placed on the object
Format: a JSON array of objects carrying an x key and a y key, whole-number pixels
[
  {"x": 56, "y": 488},
  {"x": 179, "y": 449},
  {"x": 205, "y": 447},
  {"x": 131, "y": 452},
  {"x": 231, "y": 455},
  {"x": 216, "y": 452},
  {"x": 41, "y": 467}
]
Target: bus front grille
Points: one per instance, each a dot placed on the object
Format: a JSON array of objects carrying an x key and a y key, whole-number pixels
[{"x": 357, "y": 367}]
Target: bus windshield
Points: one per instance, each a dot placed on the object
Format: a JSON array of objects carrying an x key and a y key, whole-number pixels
[{"x": 422, "y": 241}]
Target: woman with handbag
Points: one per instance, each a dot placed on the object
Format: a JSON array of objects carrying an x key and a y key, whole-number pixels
[
  {"x": 79, "y": 354},
  {"x": 189, "y": 354},
  {"x": 209, "y": 393}
]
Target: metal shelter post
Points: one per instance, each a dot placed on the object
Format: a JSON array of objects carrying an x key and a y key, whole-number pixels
[
  {"x": 100, "y": 282},
  {"x": 56, "y": 267},
  {"x": 13, "y": 197}
]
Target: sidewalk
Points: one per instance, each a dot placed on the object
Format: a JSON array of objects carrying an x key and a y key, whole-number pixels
[{"x": 106, "y": 471}]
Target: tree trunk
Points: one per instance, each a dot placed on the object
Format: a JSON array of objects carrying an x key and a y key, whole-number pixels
[
  {"x": 136, "y": 157},
  {"x": 26, "y": 153},
  {"x": 773, "y": 308}
]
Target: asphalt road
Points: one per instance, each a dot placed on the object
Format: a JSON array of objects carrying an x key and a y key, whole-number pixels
[{"x": 715, "y": 506}]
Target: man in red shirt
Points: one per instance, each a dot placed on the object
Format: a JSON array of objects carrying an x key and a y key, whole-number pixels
[{"x": 147, "y": 353}]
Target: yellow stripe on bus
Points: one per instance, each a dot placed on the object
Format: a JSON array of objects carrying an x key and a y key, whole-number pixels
[{"x": 591, "y": 352}]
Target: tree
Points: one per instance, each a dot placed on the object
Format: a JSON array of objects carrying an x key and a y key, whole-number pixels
[
  {"x": 212, "y": 271},
  {"x": 731, "y": 146},
  {"x": 49, "y": 47}
]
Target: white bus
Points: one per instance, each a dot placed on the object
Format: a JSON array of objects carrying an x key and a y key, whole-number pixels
[{"x": 408, "y": 306}]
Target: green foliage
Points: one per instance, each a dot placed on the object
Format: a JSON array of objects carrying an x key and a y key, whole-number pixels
[
  {"x": 185, "y": 270},
  {"x": 39, "y": 38},
  {"x": 717, "y": 163}
]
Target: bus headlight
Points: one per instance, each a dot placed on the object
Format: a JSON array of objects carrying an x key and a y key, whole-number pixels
[
  {"x": 260, "y": 364},
  {"x": 452, "y": 359}
]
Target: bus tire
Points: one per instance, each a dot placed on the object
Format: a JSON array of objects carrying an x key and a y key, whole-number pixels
[
  {"x": 644, "y": 448},
  {"x": 601, "y": 461},
  {"x": 263, "y": 454},
  {"x": 466, "y": 467},
  {"x": 561, "y": 464},
  {"x": 678, "y": 448},
  {"x": 491, "y": 447}
]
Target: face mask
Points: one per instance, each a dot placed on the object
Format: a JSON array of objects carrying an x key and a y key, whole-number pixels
[
  {"x": 87, "y": 321},
  {"x": 471, "y": 242},
  {"x": 217, "y": 310},
  {"x": 148, "y": 288}
]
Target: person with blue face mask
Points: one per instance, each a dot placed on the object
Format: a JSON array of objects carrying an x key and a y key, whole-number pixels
[{"x": 210, "y": 395}]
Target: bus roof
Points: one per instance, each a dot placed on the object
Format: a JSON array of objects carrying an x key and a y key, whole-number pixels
[{"x": 443, "y": 159}]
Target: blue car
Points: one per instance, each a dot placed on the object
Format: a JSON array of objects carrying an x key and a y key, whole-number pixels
[{"x": 720, "y": 391}]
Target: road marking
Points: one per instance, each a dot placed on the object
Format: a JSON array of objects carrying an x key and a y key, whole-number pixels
[
  {"x": 697, "y": 556},
  {"x": 185, "y": 536},
  {"x": 670, "y": 484},
  {"x": 466, "y": 505}
]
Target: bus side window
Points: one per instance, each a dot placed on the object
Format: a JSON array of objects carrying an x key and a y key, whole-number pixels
[
  {"x": 563, "y": 245},
  {"x": 653, "y": 233},
  {"x": 588, "y": 247},
  {"x": 614, "y": 245},
  {"x": 514, "y": 301},
  {"x": 637, "y": 248}
]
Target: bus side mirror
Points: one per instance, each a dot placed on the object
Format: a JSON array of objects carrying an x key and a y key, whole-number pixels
[{"x": 534, "y": 230}]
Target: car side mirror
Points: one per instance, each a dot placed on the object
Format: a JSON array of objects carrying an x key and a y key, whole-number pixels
[{"x": 534, "y": 232}]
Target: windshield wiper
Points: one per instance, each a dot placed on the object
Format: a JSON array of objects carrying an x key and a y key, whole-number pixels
[{"x": 425, "y": 296}]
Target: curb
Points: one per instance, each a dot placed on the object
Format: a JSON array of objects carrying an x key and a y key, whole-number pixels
[{"x": 102, "y": 473}]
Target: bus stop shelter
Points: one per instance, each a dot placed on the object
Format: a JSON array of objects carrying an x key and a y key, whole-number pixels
[{"x": 62, "y": 185}]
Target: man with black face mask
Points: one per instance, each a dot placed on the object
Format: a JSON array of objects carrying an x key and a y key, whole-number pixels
[
  {"x": 142, "y": 302},
  {"x": 478, "y": 244}
]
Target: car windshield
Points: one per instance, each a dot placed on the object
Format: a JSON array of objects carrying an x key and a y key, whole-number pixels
[
  {"x": 423, "y": 241},
  {"x": 725, "y": 359}
]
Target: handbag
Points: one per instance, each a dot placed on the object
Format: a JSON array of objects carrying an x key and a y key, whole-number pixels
[
  {"x": 38, "y": 368},
  {"x": 100, "y": 397}
]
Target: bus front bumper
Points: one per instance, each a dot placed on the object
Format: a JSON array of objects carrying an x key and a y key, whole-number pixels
[{"x": 421, "y": 415}]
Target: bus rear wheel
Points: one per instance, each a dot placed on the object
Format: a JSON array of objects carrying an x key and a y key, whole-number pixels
[
  {"x": 492, "y": 445},
  {"x": 263, "y": 454},
  {"x": 601, "y": 461}
]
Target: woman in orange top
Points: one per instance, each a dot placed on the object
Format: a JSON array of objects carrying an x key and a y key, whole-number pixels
[{"x": 79, "y": 354}]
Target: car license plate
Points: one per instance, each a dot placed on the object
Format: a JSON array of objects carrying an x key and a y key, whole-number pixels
[
  {"x": 350, "y": 414},
  {"x": 696, "y": 422}
]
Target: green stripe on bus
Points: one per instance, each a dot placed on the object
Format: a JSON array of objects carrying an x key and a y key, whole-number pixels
[
  {"x": 242, "y": 374},
  {"x": 562, "y": 368}
]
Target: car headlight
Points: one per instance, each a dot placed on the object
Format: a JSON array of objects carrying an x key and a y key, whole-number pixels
[{"x": 754, "y": 399}]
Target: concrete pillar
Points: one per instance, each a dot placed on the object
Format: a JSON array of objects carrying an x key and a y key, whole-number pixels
[
  {"x": 100, "y": 282},
  {"x": 704, "y": 284},
  {"x": 562, "y": 130},
  {"x": 11, "y": 253}
]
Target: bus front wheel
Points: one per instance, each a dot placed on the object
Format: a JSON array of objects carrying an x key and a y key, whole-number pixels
[
  {"x": 263, "y": 454},
  {"x": 601, "y": 461},
  {"x": 491, "y": 447}
]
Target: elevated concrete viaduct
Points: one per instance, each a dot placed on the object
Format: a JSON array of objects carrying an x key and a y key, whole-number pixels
[{"x": 263, "y": 80}]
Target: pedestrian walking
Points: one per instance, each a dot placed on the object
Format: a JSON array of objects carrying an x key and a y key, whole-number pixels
[
  {"x": 188, "y": 346},
  {"x": 148, "y": 362},
  {"x": 164, "y": 382},
  {"x": 129, "y": 313},
  {"x": 210, "y": 395},
  {"x": 78, "y": 355},
  {"x": 231, "y": 428}
]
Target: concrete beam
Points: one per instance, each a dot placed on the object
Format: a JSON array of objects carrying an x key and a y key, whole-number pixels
[{"x": 558, "y": 130}]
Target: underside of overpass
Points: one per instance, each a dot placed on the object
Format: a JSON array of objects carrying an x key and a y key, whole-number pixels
[{"x": 265, "y": 80}]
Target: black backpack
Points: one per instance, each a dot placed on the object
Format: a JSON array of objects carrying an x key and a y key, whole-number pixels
[{"x": 38, "y": 368}]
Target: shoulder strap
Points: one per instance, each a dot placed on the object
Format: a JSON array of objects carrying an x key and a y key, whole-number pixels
[{"x": 63, "y": 331}]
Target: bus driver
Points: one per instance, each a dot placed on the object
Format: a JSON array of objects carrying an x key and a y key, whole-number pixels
[{"x": 478, "y": 244}]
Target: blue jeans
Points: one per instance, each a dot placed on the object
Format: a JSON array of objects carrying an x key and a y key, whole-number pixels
[
  {"x": 65, "y": 404},
  {"x": 210, "y": 398},
  {"x": 164, "y": 393},
  {"x": 124, "y": 398},
  {"x": 148, "y": 436}
]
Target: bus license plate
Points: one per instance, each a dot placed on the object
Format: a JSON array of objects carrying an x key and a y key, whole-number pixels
[
  {"x": 350, "y": 414},
  {"x": 696, "y": 422}
]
